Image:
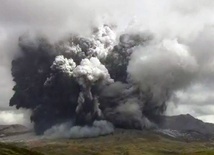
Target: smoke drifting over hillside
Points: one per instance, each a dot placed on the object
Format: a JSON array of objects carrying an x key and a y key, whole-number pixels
[{"x": 84, "y": 69}]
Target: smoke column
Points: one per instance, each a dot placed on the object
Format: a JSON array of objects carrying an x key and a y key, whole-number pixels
[{"x": 84, "y": 71}]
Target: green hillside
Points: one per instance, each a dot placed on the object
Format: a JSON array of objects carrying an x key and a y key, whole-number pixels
[
  {"x": 6, "y": 149},
  {"x": 122, "y": 143}
]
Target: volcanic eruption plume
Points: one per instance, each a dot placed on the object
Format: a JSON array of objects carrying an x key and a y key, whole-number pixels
[
  {"x": 84, "y": 67},
  {"x": 89, "y": 85}
]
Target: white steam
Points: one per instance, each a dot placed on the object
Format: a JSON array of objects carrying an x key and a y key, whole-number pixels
[
  {"x": 91, "y": 70},
  {"x": 162, "y": 68},
  {"x": 63, "y": 64},
  {"x": 104, "y": 40},
  {"x": 66, "y": 130}
]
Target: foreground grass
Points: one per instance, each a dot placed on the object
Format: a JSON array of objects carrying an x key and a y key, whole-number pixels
[
  {"x": 122, "y": 143},
  {"x": 6, "y": 149}
]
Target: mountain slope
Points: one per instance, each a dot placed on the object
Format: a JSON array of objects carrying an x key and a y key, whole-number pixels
[
  {"x": 187, "y": 123},
  {"x": 6, "y": 130}
]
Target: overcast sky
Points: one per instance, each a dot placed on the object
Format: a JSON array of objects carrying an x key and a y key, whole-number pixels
[{"x": 191, "y": 22}]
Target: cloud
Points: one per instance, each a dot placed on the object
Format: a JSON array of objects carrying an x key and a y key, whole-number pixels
[
  {"x": 197, "y": 100},
  {"x": 8, "y": 117},
  {"x": 207, "y": 118}
]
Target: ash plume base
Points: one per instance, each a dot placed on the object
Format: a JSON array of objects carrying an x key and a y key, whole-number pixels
[{"x": 67, "y": 130}]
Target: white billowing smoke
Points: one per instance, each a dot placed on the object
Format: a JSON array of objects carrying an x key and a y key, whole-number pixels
[
  {"x": 66, "y": 130},
  {"x": 63, "y": 64},
  {"x": 162, "y": 68},
  {"x": 104, "y": 40},
  {"x": 91, "y": 70}
]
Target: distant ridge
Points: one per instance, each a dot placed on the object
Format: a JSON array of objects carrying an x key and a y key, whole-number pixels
[
  {"x": 13, "y": 129},
  {"x": 187, "y": 123}
]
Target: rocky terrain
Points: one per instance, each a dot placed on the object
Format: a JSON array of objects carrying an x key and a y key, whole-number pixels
[
  {"x": 186, "y": 127},
  {"x": 187, "y": 123},
  {"x": 181, "y": 127}
]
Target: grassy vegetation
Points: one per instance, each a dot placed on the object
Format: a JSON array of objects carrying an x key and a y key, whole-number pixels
[
  {"x": 118, "y": 144},
  {"x": 6, "y": 149}
]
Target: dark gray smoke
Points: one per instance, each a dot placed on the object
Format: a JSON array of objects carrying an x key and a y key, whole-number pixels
[{"x": 97, "y": 81}]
